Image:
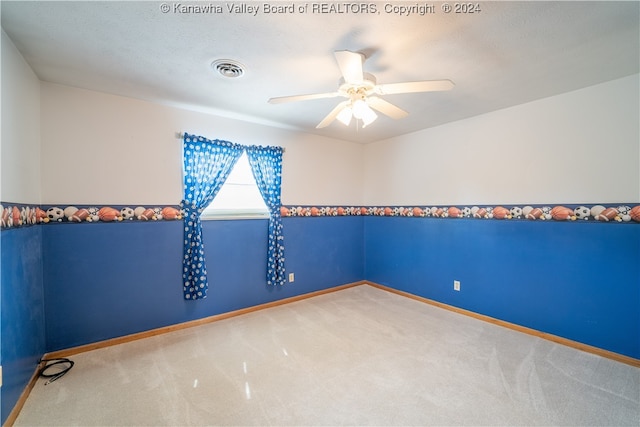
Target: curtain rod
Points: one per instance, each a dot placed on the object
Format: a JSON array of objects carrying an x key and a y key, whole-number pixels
[{"x": 180, "y": 135}]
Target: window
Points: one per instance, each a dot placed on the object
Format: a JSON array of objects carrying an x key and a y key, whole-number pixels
[{"x": 239, "y": 196}]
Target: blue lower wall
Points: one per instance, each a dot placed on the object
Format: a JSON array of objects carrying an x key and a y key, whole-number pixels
[
  {"x": 106, "y": 280},
  {"x": 22, "y": 312},
  {"x": 576, "y": 280},
  {"x": 65, "y": 285}
]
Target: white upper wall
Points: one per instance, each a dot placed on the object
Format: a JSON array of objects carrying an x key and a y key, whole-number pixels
[
  {"x": 20, "y": 152},
  {"x": 106, "y": 149},
  {"x": 66, "y": 145},
  {"x": 578, "y": 147}
]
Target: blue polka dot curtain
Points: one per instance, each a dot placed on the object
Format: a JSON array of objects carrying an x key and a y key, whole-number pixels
[
  {"x": 266, "y": 165},
  {"x": 207, "y": 165}
]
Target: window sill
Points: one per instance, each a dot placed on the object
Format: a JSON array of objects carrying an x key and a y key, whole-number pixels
[{"x": 231, "y": 216}]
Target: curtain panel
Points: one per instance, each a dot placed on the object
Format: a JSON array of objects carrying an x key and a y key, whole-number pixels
[
  {"x": 207, "y": 165},
  {"x": 266, "y": 165}
]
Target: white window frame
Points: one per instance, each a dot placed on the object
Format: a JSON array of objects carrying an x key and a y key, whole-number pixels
[{"x": 242, "y": 178}]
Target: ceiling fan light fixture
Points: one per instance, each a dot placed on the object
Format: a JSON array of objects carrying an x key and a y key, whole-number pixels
[
  {"x": 362, "y": 111},
  {"x": 345, "y": 116},
  {"x": 360, "y": 108},
  {"x": 368, "y": 117}
]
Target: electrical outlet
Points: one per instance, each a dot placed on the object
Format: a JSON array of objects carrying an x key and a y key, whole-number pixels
[
  {"x": 291, "y": 277},
  {"x": 456, "y": 285}
]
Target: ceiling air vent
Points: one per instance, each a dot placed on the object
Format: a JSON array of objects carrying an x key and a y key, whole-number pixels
[{"x": 228, "y": 68}]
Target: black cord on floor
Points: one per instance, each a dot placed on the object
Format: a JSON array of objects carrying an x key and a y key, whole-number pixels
[{"x": 48, "y": 363}]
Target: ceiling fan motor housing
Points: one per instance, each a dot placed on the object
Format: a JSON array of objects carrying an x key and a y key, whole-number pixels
[{"x": 360, "y": 89}]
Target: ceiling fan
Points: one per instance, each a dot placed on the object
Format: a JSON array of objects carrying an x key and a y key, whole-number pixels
[{"x": 360, "y": 89}]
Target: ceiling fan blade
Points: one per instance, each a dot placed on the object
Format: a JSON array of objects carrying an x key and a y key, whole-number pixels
[
  {"x": 350, "y": 64},
  {"x": 409, "y": 87},
  {"x": 386, "y": 108},
  {"x": 282, "y": 99},
  {"x": 332, "y": 115}
]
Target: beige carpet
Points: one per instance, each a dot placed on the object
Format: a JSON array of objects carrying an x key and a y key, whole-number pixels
[{"x": 360, "y": 356}]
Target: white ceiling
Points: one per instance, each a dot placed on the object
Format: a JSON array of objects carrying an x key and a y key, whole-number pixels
[{"x": 509, "y": 53}]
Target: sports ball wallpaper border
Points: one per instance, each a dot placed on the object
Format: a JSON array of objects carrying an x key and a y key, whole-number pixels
[
  {"x": 14, "y": 215},
  {"x": 19, "y": 215},
  {"x": 612, "y": 213}
]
